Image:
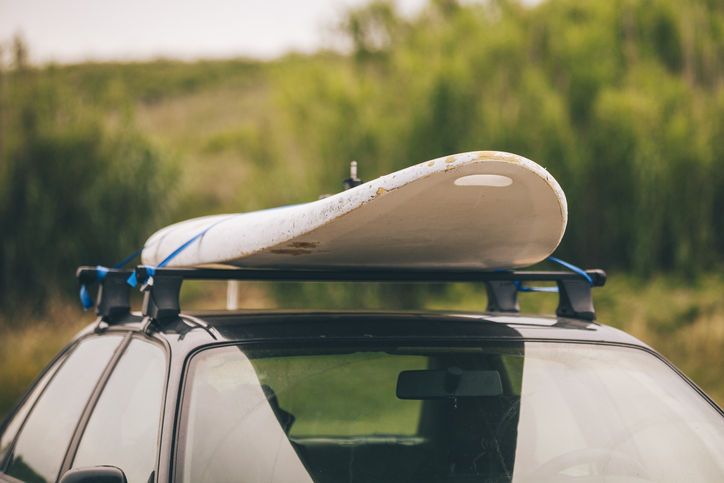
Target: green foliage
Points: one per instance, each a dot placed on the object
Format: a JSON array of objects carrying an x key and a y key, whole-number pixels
[
  {"x": 75, "y": 187},
  {"x": 28, "y": 342},
  {"x": 353, "y": 296},
  {"x": 153, "y": 81},
  {"x": 620, "y": 100}
]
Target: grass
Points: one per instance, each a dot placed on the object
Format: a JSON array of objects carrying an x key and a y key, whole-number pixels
[
  {"x": 683, "y": 320},
  {"x": 29, "y": 342},
  {"x": 303, "y": 387}
]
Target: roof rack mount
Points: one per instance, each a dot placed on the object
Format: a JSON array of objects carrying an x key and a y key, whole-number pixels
[{"x": 114, "y": 293}]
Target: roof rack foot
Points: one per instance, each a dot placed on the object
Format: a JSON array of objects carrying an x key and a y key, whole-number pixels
[
  {"x": 114, "y": 295},
  {"x": 113, "y": 292},
  {"x": 575, "y": 299},
  {"x": 502, "y": 296},
  {"x": 161, "y": 299}
]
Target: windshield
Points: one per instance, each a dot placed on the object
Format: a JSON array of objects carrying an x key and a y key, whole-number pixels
[{"x": 533, "y": 412}]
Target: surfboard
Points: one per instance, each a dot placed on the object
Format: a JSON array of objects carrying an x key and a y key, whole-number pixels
[{"x": 485, "y": 210}]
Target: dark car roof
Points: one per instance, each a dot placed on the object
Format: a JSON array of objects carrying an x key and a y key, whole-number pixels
[
  {"x": 295, "y": 325},
  {"x": 189, "y": 331}
]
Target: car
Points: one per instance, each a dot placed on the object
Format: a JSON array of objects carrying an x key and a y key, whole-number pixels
[{"x": 358, "y": 396}]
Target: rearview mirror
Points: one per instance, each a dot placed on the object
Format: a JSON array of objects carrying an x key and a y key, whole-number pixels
[
  {"x": 451, "y": 383},
  {"x": 94, "y": 474}
]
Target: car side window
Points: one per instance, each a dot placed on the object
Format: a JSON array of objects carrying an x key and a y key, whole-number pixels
[
  {"x": 123, "y": 429},
  {"x": 13, "y": 426},
  {"x": 44, "y": 439}
]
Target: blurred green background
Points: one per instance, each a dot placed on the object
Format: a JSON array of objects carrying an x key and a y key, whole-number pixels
[{"x": 621, "y": 100}]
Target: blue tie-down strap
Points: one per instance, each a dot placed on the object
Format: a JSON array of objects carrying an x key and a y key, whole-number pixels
[
  {"x": 574, "y": 268},
  {"x": 101, "y": 272},
  {"x": 523, "y": 288},
  {"x": 85, "y": 297},
  {"x": 150, "y": 271}
]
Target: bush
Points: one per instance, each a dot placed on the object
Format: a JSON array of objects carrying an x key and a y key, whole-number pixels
[
  {"x": 76, "y": 187},
  {"x": 620, "y": 100}
]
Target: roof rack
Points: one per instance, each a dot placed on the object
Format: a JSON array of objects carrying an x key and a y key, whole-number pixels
[
  {"x": 114, "y": 293},
  {"x": 162, "y": 289}
]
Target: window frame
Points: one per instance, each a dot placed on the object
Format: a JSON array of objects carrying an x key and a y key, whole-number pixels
[{"x": 98, "y": 392}]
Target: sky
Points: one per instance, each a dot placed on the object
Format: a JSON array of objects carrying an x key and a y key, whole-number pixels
[{"x": 67, "y": 31}]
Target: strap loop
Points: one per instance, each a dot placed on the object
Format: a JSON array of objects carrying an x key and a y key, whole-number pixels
[
  {"x": 574, "y": 268},
  {"x": 101, "y": 272},
  {"x": 133, "y": 281},
  {"x": 85, "y": 297},
  {"x": 523, "y": 288}
]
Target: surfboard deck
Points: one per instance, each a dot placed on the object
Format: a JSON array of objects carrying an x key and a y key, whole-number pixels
[{"x": 486, "y": 210}]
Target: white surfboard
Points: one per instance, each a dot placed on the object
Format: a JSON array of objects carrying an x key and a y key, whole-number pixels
[{"x": 486, "y": 210}]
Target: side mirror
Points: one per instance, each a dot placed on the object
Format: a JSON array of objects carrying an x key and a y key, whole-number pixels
[{"x": 94, "y": 474}]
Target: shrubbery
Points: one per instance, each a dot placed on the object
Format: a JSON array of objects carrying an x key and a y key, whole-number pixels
[
  {"x": 77, "y": 186},
  {"x": 621, "y": 100}
]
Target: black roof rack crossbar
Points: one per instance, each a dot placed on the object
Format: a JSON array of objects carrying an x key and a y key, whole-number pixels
[
  {"x": 598, "y": 277},
  {"x": 575, "y": 299}
]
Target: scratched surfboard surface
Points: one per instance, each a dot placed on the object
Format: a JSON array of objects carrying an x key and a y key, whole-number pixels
[{"x": 484, "y": 209}]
